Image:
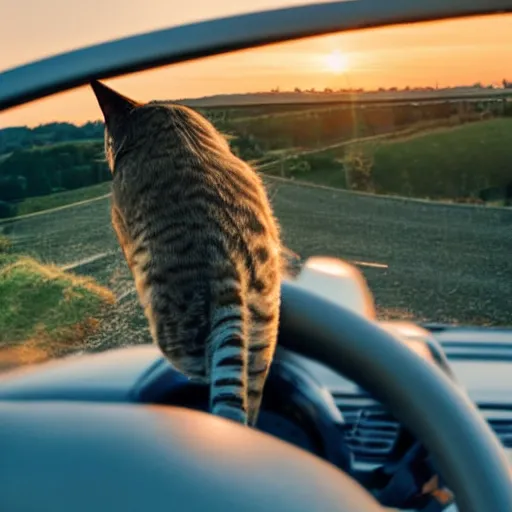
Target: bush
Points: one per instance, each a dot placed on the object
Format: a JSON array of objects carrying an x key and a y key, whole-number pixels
[
  {"x": 319, "y": 162},
  {"x": 5, "y": 244},
  {"x": 7, "y": 210},
  {"x": 246, "y": 147},
  {"x": 358, "y": 164},
  {"x": 297, "y": 165}
]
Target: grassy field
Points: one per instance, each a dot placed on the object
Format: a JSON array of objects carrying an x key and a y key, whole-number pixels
[
  {"x": 315, "y": 143},
  {"x": 45, "y": 312},
  {"x": 37, "y": 204},
  {"x": 96, "y": 143},
  {"x": 444, "y": 163},
  {"x": 449, "y": 163}
]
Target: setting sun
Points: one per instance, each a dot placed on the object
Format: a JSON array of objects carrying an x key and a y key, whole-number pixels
[{"x": 336, "y": 62}]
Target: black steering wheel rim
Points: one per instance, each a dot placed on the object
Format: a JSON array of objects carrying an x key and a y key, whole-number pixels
[{"x": 466, "y": 450}]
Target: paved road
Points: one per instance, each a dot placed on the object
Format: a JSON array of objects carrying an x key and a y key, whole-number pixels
[{"x": 446, "y": 263}]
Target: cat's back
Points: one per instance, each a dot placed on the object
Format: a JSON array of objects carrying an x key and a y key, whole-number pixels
[{"x": 182, "y": 172}]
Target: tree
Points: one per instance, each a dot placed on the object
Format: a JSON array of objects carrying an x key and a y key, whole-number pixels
[{"x": 12, "y": 188}]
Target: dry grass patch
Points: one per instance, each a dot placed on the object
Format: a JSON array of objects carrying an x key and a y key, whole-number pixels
[{"x": 45, "y": 312}]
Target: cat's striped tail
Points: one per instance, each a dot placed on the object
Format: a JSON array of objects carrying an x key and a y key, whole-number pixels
[{"x": 228, "y": 357}]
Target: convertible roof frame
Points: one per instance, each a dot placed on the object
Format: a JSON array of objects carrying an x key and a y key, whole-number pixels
[{"x": 131, "y": 54}]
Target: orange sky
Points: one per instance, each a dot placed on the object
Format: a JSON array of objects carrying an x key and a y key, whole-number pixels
[{"x": 449, "y": 53}]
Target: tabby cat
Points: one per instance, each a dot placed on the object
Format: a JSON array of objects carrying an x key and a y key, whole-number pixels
[{"x": 199, "y": 236}]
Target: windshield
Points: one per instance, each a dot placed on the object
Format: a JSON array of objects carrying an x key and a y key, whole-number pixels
[{"x": 387, "y": 148}]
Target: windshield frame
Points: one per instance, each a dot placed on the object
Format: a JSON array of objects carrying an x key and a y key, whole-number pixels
[{"x": 193, "y": 41}]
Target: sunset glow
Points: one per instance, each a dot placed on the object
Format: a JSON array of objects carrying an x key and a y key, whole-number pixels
[
  {"x": 336, "y": 62},
  {"x": 441, "y": 54}
]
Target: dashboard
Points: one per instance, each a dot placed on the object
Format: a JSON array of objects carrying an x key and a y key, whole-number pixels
[
  {"x": 305, "y": 402},
  {"x": 481, "y": 362}
]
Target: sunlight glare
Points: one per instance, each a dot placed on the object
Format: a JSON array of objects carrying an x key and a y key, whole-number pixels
[{"x": 336, "y": 62}]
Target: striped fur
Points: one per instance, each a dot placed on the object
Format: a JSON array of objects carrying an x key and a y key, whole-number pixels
[{"x": 198, "y": 233}]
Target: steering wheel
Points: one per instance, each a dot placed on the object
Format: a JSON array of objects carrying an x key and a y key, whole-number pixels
[{"x": 117, "y": 457}]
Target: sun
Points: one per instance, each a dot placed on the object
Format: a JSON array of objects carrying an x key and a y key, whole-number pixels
[{"x": 336, "y": 62}]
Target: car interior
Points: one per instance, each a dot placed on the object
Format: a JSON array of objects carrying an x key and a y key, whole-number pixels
[{"x": 380, "y": 130}]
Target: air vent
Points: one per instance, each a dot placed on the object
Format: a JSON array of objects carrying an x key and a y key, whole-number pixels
[{"x": 370, "y": 431}]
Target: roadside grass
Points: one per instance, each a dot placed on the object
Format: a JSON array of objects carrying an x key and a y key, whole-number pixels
[
  {"x": 46, "y": 312},
  {"x": 328, "y": 166},
  {"x": 449, "y": 164},
  {"x": 37, "y": 204},
  {"x": 445, "y": 164}
]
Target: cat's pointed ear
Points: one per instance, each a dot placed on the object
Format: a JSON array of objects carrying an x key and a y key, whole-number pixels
[{"x": 112, "y": 103}]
